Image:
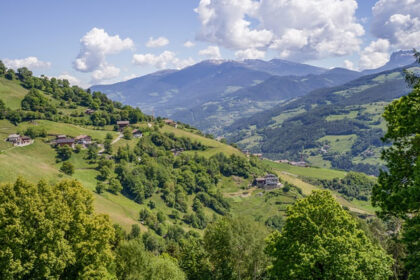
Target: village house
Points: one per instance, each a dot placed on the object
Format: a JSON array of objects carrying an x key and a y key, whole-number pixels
[
  {"x": 137, "y": 133},
  {"x": 171, "y": 123},
  {"x": 268, "y": 182},
  {"x": 61, "y": 136},
  {"x": 65, "y": 141},
  {"x": 84, "y": 140},
  {"x": 18, "y": 140},
  {"x": 13, "y": 138},
  {"x": 122, "y": 125}
]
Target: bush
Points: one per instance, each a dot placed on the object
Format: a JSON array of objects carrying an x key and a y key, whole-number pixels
[{"x": 67, "y": 168}]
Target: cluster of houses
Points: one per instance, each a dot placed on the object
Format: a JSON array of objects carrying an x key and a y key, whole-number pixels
[
  {"x": 62, "y": 140},
  {"x": 268, "y": 182},
  {"x": 19, "y": 140}
]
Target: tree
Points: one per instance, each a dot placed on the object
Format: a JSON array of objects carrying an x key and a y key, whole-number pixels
[
  {"x": 10, "y": 74},
  {"x": 127, "y": 133},
  {"x": 64, "y": 152},
  {"x": 320, "y": 240},
  {"x": 135, "y": 263},
  {"x": 398, "y": 190},
  {"x": 108, "y": 146},
  {"x": 235, "y": 248},
  {"x": 67, "y": 168},
  {"x": 2, "y": 68},
  {"x": 51, "y": 232},
  {"x": 114, "y": 186}
]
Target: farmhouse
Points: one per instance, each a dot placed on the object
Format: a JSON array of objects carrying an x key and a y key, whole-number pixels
[
  {"x": 83, "y": 140},
  {"x": 171, "y": 123},
  {"x": 18, "y": 140},
  {"x": 137, "y": 133},
  {"x": 61, "y": 136},
  {"x": 258, "y": 155},
  {"x": 65, "y": 141},
  {"x": 122, "y": 125},
  {"x": 13, "y": 138},
  {"x": 268, "y": 182}
]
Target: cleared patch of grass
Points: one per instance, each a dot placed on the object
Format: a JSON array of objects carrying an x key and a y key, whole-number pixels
[
  {"x": 214, "y": 146},
  {"x": 12, "y": 93},
  {"x": 319, "y": 173}
]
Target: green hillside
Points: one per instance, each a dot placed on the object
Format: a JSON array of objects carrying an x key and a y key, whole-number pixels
[
  {"x": 339, "y": 127},
  {"x": 226, "y": 191}
]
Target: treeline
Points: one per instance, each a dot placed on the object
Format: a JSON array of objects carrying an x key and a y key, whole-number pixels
[
  {"x": 353, "y": 185},
  {"x": 47, "y": 95},
  {"x": 51, "y": 232}
]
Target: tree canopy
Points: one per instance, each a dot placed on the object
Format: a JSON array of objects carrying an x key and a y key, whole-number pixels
[
  {"x": 51, "y": 232},
  {"x": 320, "y": 240}
]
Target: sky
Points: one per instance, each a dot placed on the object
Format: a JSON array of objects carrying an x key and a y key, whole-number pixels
[{"x": 102, "y": 41}]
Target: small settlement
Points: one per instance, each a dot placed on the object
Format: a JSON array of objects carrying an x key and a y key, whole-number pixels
[
  {"x": 171, "y": 122},
  {"x": 62, "y": 140},
  {"x": 268, "y": 182},
  {"x": 18, "y": 140}
]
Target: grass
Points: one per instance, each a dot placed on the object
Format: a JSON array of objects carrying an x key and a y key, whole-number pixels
[
  {"x": 12, "y": 93},
  {"x": 339, "y": 143},
  {"x": 214, "y": 146},
  {"x": 68, "y": 129},
  {"x": 318, "y": 173}
]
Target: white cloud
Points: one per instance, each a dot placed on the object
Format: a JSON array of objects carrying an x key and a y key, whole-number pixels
[
  {"x": 94, "y": 47},
  {"x": 30, "y": 62},
  {"x": 158, "y": 42},
  {"x": 249, "y": 54},
  {"x": 296, "y": 29},
  {"x": 223, "y": 22},
  {"x": 105, "y": 72},
  {"x": 349, "y": 65},
  {"x": 72, "y": 80},
  {"x": 189, "y": 44},
  {"x": 164, "y": 60},
  {"x": 211, "y": 52},
  {"x": 375, "y": 55},
  {"x": 398, "y": 21}
]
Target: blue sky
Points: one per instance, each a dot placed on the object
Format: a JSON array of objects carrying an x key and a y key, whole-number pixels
[{"x": 46, "y": 35}]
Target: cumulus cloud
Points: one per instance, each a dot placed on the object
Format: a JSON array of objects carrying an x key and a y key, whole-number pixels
[
  {"x": 158, "y": 42},
  {"x": 189, "y": 44},
  {"x": 375, "y": 55},
  {"x": 349, "y": 65},
  {"x": 105, "y": 72},
  {"x": 398, "y": 21},
  {"x": 249, "y": 54},
  {"x": 296, "y": 29},
  {"x": 30, "y": 62},
  {"x": 72, "y": 80},
  {"x": 211, "y": 52},
  {"x": 223, "y": 22},
  {"x": 94, "y": 47},
  {"x": 164, "y": 60}
]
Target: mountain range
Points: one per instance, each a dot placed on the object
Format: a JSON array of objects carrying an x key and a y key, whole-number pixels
[{"x": 256, "y": 103}]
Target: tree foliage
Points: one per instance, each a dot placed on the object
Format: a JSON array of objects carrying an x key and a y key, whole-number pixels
[
  {"x": 50, "y": 232},
  {"x": 320, "y": 240},
  {"x": 398, "y": 190}
]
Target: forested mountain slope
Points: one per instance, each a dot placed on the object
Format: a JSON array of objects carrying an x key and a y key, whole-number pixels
[{"x": 339, "y": 126}]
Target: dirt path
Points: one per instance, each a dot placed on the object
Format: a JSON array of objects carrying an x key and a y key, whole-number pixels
[{"x": 112, "y": 143}]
